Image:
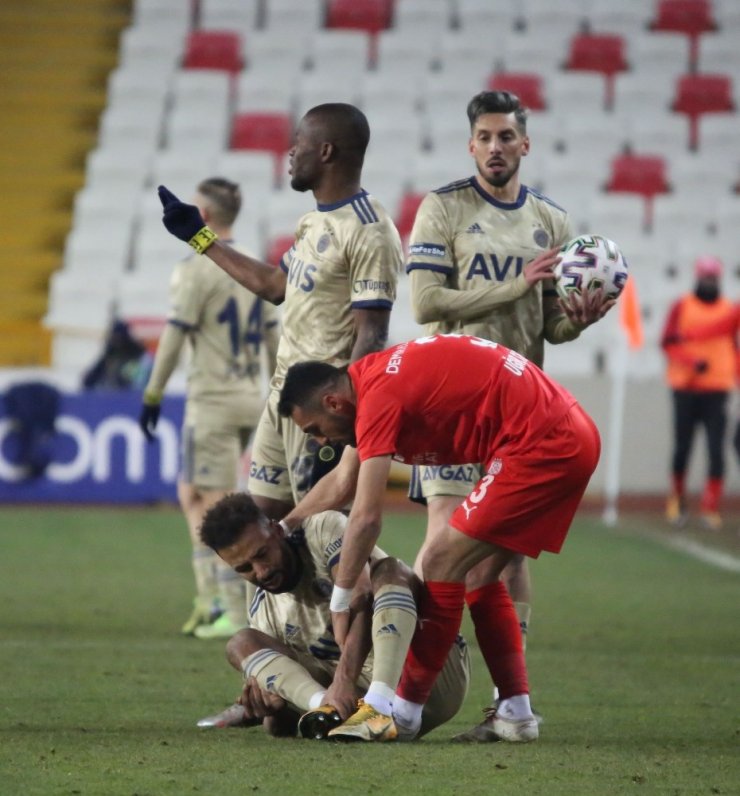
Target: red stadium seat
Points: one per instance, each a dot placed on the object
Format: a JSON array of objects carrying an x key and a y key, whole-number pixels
[
  {"x": 277, "y": 247},
  {"x": 641, "y": 174},
  {"x": 528, "y": 87},
  {"x": 263, "y": 132},
  {"x": 213, "y": 49},
  {"x": 369, "y": 15},
  {"x": 699, "y": 94},
  {"x": 597, "y": 52},
  {"x": 407, "y": 208},
  {"x": 692, "y": 17}
]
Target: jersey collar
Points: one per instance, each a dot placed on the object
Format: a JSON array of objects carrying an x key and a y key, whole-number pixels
[
  {"x": 520, "y": 200},
  {"x": 325, "y": 208}
]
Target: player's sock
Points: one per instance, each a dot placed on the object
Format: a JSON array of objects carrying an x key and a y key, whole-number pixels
[
  {"x": 204, "y": 569},
  {"x": 516, "y": 708},
  {"x": 282, "y": 675},
  {"x": 407, "y": 715},
  {"x": 712, "y": 494},
  {"x": 440, "y": 614},
  {"x": 231, "y": 594},
  {"x": 394, "y": 623},
  {"x": 523, "y": 612},
  {"x": 679, "y": 485},
  {"x": 499, "y": 637}
]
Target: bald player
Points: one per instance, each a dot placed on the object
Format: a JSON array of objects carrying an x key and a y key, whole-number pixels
[
  {"x": 225, "y": 328},
  {"x": 480, "y": 262},
  {"x": 337, "y": 282}
]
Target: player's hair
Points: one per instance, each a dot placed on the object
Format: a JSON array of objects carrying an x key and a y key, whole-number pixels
[
  {"x": 224, "y": 199},
  {"x": 346, "y": 127},
  {"x": 304, "y": 382},
  {"x": 225, "y": 521},
  {"x": 497, "y": 102}
]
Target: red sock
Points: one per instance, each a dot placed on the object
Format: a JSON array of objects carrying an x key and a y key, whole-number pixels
[
  {"x": 712, "y": 494},
  {"x": 499, "y": 637},
  {"x": 440, "y": 613}
]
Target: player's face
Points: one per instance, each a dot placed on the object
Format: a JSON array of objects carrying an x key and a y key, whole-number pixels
[
  {"x": 328, "y": 426},
  {"x": 304, "y": 157},
  {"x": 262, "y": 556},
  {"x": 497, "y": 145}
]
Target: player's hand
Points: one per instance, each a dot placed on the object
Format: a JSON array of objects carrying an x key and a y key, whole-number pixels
[
  {"x": 343, "y": 696},
  {"x": 185, "y": 221},
  {"x": 584, "y": 309},
  {"x": 258, "y": 703},
  {"x": 340, "y": 626},
  {"x": 701, "y": 366},
  {"x": 148, "y": 419},
  {"x": 541, "y": 267}
]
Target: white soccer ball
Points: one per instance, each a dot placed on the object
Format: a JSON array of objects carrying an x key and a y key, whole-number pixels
[{"x": 591, "y": 261}]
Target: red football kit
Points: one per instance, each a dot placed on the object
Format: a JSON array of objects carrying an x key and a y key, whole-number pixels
[{"x": 454, "y": 399}]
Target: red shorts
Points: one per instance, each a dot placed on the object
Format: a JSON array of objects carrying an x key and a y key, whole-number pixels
[{"x": 527, "y": 499}]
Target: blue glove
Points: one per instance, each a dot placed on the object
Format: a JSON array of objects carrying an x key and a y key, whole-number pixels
[
  {"x": 148, "y": 419},
  {"x": 185, "y": 221}
]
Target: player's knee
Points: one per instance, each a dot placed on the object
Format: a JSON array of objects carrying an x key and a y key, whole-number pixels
[
  {"x": 242, "y": 644},
  {"x": 390, "y": 571}
]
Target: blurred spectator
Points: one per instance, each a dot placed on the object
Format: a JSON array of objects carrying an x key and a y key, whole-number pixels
[
  {"x": 32, "y": 408},
  {"x": 124, "y": 363},
  {"x": 701, "y": 373}
]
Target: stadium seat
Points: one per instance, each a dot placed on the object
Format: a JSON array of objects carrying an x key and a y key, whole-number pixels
[
  {"x": 408, "y": 206},
  {"x": 527, "y": 86},
  {"x": 138, "y": 123},
  {"x": 269, "y": 50},
  {"x": 569, "y": 90},
  {"x": 696, "y": 95},
  {"x": 201, "y": 90},
  {"x": 289, "y": 16},
  {"x": 235, "y": 15},
  {"x": 719, "y": 53},
  {"x": 190, "y": 131},
  {"x": 645, "y": 175},
  {"x": 254, "y": 171},
  {"x": 182, "y": 169},
  {"x": 147, "y": 13},
  {"x": 481, "y": 48},
  {"x": 691, "y": 17},
  {"x": 340, "y": 51},
  {"x": 261, "y": 89},
  {"x": 598, "y": 52},
  {"x": 483, "y": 15},
  {"x": 265, "y": 132},
  {"x": 368, "y": 15},
  {"x": 213, "y": 49},
  {"x": 277, "y": 247},
  {"x": 315, "y": 88},
  {"x": 402, "y": 56},
  {"x": 624, "y": 19},
  {"x": 660, "y": 55},
  {"x": 523, "y": 50}
]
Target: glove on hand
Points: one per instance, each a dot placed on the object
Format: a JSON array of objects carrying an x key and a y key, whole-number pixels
[
  {"x": 702, "y": 366},
  {"x": 149, "y": 417},
  {"x": 185, "y": 221}
]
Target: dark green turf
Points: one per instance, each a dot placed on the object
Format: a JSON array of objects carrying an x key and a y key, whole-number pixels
[{"x": 634, "y": 660}]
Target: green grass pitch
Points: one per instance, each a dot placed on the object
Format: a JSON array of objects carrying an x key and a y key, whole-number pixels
[{"x": 634, "y": 658}]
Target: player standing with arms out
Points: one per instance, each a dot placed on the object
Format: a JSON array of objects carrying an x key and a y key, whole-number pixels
[
  {"x": 225, "y": 327},
  {"x": 338, "y": 282},
  {"x": 451, "y": 400},
  {"x": 481, "y": 255}
]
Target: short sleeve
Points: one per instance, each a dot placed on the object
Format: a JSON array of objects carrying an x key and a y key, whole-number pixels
[
  {"x": 377, "y": 426},
  {"x": 375, "y": 257},
  {"x": 430, "y": 246},
  {"x": 187, "y": 296}
]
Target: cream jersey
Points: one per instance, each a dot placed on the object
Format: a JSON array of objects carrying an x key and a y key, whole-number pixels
[
  {"x": 301, "y": 618},
  {"x": 346, "y": 256},
  {"x": 466, "y": 240},
  {"x": 227, "y": 327}
]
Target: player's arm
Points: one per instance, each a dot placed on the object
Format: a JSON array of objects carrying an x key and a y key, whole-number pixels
[
  {"x": 371, "y": 327},
  {"x": 271, "y": 337},
  {"x": 333, "y": 491},
  {"x": 186, "y": 223},
  {"x": 360, "y": 536},
  {"x": 432, "y": 300},
  {"x": 673, "y": 344},
  {"x": 165, "y": 361}
]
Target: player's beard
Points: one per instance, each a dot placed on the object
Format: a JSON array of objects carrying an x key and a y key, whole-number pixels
[
  {"x": 300, "y": 184},
  {"x": 502, "y": 179}
]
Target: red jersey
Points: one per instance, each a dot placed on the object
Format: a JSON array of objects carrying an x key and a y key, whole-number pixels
[{"x": 452, "y": 399}]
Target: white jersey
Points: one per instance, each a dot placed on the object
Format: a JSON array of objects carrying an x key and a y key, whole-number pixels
[
  {"x": 301, "y": 618},
  {"x": 468, "y": 241},
  {"x": 226, "y": 326},
  {"x": 346, "y": 256}
]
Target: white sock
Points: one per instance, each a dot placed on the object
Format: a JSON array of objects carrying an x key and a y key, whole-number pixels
[
  {"x": 516, "y": 708},
  {"x": 315, "y": 701},
  {"x": 380, "y": 696},
  {"x": 407, "y": 714}
]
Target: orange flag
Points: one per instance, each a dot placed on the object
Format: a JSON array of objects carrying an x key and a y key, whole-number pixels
[{"x": 630, "y": 318}]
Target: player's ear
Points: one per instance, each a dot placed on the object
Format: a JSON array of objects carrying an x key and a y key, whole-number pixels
[{"x": 328, "y": 152}]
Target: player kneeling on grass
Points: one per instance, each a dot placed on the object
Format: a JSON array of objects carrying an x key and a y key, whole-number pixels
[{"x": 296, "y": 678}]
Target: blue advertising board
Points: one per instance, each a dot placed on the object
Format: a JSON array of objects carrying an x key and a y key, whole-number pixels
[{"x": 98, "y": 453}]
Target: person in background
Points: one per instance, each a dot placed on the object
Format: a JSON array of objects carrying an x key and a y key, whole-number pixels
[
  {"x": 228, "y": 331},
  {"x": 701, "y": 374},
  {"x": 124, "y": 364}
]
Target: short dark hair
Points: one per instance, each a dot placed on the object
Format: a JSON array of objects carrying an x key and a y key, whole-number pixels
[
  {"x": 226, "y": 520},
  {"x": 303, "y": 382},
  {"x": 346, "y": 127},
  {"x": 497, "y": 102},
  {"x": 225, "y": 199}
]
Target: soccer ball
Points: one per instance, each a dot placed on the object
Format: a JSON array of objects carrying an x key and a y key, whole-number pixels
[{"x": 591, "y": 261}]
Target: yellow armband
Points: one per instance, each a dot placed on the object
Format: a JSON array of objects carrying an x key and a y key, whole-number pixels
[
  {"x": 203, "y": 239},
  {"x": 152, "y": 397}
]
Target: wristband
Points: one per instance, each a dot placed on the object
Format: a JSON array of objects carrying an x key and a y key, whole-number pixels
[
  {"x": 203, "y": 239},
  {"x": 340, "y": 599},
  {"x": 284, "y": 526},
  {"x": 152, "y": 397}
]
